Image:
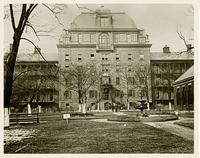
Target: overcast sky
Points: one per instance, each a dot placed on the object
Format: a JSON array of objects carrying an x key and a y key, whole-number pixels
[{"x": 160, "y": 22}]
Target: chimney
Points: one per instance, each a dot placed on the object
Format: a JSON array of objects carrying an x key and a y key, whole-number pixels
[
  {"x": 189, "y": 47},
  {"x": 37, "y": 50},
  {"x": 166, "y": 49}
]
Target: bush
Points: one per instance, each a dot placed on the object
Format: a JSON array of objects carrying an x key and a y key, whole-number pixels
[{"x": 143, "y": 119}]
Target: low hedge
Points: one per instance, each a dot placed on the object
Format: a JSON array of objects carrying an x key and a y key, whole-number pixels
[
  {"x": 160, "y": 118},
  {"x": 124, "y": 119}
]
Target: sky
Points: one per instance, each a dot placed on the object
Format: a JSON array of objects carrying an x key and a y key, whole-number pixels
[{"x": 160, "y": 22}]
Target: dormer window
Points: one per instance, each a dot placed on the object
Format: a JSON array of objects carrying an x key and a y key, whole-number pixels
[{"x": 104, "y": 21}]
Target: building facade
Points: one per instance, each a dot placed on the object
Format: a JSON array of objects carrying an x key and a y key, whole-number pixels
[
  {"x": 35, "y": 82},
  {"x": 112, "y": 41},
  {"x": 166, "y": 67}
]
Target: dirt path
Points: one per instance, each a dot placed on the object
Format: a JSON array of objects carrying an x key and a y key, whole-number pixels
[{"x": 169, "y": 126}]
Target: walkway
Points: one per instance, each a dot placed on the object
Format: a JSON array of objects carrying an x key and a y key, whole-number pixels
[{"x": 169, "y": 126}]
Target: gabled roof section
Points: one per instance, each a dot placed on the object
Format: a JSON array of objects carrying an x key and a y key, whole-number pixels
[{"x": 189, "y": 74}]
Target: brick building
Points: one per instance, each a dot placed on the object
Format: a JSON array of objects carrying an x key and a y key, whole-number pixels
[
  {"x": 35, "y": 77},
  {"x": 115, "y": 44},
  {"x": 166, "y": 67}
]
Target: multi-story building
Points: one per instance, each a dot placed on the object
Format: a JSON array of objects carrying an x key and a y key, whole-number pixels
[
  {"x": 36, "y": 78},
  {"x": 166, "y": 67},
  {"x": 113, "y": 42}
]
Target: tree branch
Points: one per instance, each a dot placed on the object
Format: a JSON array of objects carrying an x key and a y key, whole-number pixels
[
  {"x": 12, "y": 17},
  {"x": 54, "y": 13},
  {"x": 22, "y": 17}
]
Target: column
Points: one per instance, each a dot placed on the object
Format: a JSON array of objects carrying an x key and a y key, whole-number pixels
[
  {"x": 186, "y": 96},
  {"x": 181, "y": 98},
  {"x": 175, "y": 99}
]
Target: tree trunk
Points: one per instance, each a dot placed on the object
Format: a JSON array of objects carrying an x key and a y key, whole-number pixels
[
  {"x": 10, "y": 70},
  {"x": 29, "y": 109},
  {"x": 6, "y": 117},
  {"x": 169, "y": 95}
]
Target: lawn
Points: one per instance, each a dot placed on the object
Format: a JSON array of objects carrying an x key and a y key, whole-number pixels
[
  {"x": 188, "y": 124},
  {"x": 98, "y": 137}
]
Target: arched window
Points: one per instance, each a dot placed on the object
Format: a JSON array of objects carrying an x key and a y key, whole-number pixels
[{"x": 104, "y": 42}]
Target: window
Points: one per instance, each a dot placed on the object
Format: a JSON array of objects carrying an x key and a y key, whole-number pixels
[
  {"x": 104, "y": 21},
  {"x": 86, "y": 37},
  {"x": 117, "y": 57},
  {"x": 117, "y": 80},
  {"x": 79, "y": 57},
  {"x": 67, "y": 104},
  {"x": 115, "y": 38},
  {"x": 104, "y": 41},
  {"x": 129, "y": 68},
  {"x": 74, "y": 37},
  {"x": 93, "y": 94},
  {"x": 92, "y": 56},
  {"x": 117, "y": 68},
  {"x": 68, "y": 94},
  {"x": 142, "y": 40},
  {"x": 131, "y": 93},
  {"x": 131, "y": 80},
  {"x": 80, "y": 37},
  {"x": 134, "y": 37},
  {"x": 93, "y": 38},
  {"x": 129, "y": 56},
  {"x": 51, "y": 96},
  {"x": 117, "y": 93},
  {"x": 66, "y": 57},
  {"x": 141, "y": 57},
  {"x": 129, "y": 38},
  {"x": 122, "y": 37}
]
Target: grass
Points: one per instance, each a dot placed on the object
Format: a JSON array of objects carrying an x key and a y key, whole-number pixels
[
  {"x": 185, "y": 124},
  {"x": 99, "y": 137}
]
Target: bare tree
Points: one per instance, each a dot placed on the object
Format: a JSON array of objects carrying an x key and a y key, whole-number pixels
[
  {"x": 142, "y": 76},
  {"x": 18, "y": 25},
  {"x": 80, "y": 78},
  {"x": 32, "y": 83},
  {"x": 128, "y": 80}
]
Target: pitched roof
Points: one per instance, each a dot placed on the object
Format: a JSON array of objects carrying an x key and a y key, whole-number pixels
[
  {"x": 189, "y": 74},
  {"x": 35, "y": 57},
  {"x": 171, "y": 56},
  {"x": 87, "y": 20}
]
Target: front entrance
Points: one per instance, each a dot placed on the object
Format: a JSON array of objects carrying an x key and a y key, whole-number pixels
[{"x": 107, "y": 106}]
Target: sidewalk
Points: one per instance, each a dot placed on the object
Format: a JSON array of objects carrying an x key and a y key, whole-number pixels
[{"x": 178, "y": 130}]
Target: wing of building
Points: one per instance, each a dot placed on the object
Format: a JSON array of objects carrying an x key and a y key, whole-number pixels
[
  {"x": 184, "y": 91},
  {"x": 166, "y": 67}
]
